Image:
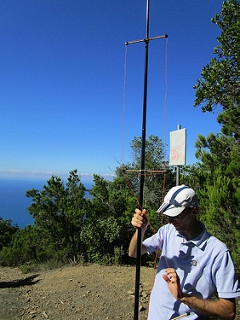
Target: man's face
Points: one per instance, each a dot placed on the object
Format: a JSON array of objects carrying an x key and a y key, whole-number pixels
[{"x": 182, "y": 221}]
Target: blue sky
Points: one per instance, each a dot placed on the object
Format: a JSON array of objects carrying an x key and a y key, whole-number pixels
[{"x": 62, "y": 79}]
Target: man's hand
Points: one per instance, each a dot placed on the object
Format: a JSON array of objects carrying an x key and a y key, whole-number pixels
[
  {"x": 221, "y": 308},
  {"x": 172, "y": 279},
  {"x": 139, "y": 219}
]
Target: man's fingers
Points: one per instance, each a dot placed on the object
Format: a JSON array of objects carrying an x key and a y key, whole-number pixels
[
  {"x": 141, "y": 213},
  {"x": 166, "y": 278},
  {"x": 139, "y": 219},
  {"x": 170, "y": 275},
  {"x": 137, "y": 211},
  {"x": 136, "y": 223}
]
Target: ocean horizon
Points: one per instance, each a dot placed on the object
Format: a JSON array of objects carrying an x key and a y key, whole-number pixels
[{"x": 13, "y": 200}]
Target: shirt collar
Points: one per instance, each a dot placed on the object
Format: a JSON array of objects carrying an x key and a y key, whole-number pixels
[{"x": 200, "y": 241}]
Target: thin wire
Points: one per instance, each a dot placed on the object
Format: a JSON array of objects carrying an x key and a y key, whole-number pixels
[
  {"x": 165, "y": 96},
  {"x": 124, "y": 100},
  {"x": 165, "y": 120}
]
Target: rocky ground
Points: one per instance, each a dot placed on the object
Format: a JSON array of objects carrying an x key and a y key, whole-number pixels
[{"x": 74, "y": 293}]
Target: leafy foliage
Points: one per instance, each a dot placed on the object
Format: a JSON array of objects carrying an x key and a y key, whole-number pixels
[
  {"x": 220, "y": 83},
  {"x": 60, "y": 210},
  {"x": 217, "y": 176},
  {"x": 6, "y": 232}
]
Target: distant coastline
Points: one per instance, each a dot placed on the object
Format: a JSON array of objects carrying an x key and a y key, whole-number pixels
[
  {"x": 13, "y": 200},
  {"x": 44, "y": 176}
]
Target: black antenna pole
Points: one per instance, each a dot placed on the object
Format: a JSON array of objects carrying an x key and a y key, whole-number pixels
[
  {"x": 139, "y": 238},
  {"x": 144, "y": 116}
]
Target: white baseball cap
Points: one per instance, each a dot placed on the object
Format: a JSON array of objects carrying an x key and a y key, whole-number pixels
[{"x": 177, "y": 199}]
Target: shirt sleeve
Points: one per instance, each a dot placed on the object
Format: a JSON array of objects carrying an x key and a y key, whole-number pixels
[
  {"x": 155, "y": 242},
  {"x": 225, "y": 277}
]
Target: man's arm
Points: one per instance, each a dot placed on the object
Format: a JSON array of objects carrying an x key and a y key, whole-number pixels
[
  {"x": 139, "y": 220},
  {"x": 221, "y": 308},
  {"x": 132, "y": 250}
]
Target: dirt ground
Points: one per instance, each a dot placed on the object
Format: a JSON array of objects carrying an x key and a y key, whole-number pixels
[{"x": 73, "y": 293}]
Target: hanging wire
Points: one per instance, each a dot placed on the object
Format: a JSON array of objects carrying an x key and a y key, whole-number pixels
[
  {"x": 165, "y": 120},
  {"x": 165, "y": 97},
  {"x": 124, "y": 99}
]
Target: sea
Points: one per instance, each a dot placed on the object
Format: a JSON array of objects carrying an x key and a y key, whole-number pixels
[{"x": 13, "y": 200}]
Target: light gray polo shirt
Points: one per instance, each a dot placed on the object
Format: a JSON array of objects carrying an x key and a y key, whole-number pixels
[{"x": 204, "y": 266}]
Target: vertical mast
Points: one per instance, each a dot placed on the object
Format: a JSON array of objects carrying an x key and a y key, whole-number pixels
[
  {"x": 144, "y": 116},
  {"x": 146, "y": 40}
]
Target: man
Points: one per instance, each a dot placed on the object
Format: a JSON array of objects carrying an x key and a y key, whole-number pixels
[{"x": 193, "y": 267}]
